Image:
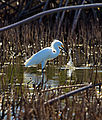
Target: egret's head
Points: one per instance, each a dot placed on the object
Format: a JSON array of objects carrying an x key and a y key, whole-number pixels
[{"x": 57, "y": 43}]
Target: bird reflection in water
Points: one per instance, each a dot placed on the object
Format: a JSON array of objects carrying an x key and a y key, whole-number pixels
[
  {"x": 36, "y": 79},
  {"x": 70, "y": 66}
]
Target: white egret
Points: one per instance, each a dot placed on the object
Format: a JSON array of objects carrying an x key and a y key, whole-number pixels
[{"x": 45, "y": 54}]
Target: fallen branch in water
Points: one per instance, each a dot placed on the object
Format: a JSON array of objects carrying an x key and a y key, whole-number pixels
[
  {"x": 61, "y": 97},
  {"x": 63, "y": 87}
]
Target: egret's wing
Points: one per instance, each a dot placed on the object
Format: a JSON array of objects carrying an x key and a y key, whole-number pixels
[
  {"x": 39, "y": 57},
  {"x": 28, "y": 62}
]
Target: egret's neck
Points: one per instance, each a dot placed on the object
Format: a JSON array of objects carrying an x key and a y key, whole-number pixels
[{"x": 55, "y": 51}]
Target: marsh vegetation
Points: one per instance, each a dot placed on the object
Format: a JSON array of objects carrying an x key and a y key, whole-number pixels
[{"x": 22, "y": 100}]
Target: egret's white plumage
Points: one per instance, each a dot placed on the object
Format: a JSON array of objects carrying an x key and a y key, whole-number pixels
[{"x": 45, "y": 54}]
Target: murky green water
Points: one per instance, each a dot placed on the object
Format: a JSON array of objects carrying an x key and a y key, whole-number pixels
[{"x": 54, "y": 75}]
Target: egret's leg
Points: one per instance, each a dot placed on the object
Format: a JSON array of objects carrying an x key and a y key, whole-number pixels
[
  {"x": 29, "y": 81},
  {"x": 43, "y": 66},
  {"x": 42, "y": 77}
]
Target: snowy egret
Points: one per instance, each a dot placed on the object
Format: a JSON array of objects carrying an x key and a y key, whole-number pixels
[{"x": 45, "y": 54}]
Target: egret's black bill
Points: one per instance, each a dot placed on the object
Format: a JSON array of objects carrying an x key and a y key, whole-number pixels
[{"x": 64, "y": 49}]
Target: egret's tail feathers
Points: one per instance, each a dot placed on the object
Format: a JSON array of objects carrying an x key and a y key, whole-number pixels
[
  {"x": 26, "y": 63},
  {"x": 29, "y": 63}
]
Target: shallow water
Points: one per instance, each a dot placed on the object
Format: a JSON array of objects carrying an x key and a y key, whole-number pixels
[{"x": 54, "y": 75}]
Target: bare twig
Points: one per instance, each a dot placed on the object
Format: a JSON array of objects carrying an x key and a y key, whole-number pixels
[
  {"x": 45, "y": 7},
  {"x": 63, "y": 87},
  {"x": 76, "y": 17},
  {"x": 62, "y": 17},
  {"x": 20, "y": 14},
  {"x": 57, "y": 16}
]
